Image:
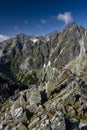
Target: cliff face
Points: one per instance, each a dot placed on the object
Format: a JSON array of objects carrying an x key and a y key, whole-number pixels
[{"x": 43, "y": 83}]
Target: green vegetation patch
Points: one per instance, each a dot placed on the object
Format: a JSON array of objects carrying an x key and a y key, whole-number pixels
[{"x": 28, "y": 78}]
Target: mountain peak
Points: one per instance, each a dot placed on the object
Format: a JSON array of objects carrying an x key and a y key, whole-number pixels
[
  {"x": 73, "y": 24},
  {"x": 21, "y": 35}
]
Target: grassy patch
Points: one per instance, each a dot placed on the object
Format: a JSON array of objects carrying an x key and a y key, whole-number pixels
[
  {"x": 5, "y": 105},
  {"x": 28, "y": 78}
]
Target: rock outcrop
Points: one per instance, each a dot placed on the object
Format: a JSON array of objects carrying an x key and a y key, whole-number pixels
[{"x": 65, "y": 107}]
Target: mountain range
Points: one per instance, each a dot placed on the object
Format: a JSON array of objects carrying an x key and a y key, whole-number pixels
[{"x": 43, "y": 81}]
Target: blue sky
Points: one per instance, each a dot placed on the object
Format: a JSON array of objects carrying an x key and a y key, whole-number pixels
[{"x": 39, "y": 17}]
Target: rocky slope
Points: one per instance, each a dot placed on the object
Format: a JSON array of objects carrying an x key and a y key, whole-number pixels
[{"x": 43, "y": 81}]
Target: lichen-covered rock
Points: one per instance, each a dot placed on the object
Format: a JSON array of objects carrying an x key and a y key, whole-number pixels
[
  {"x": 7, "y": 127},
  {"x": 22, "y": 100},
  {"x": 70, "y": 99},
  {"x": 45, "y": 124},
  {"x": 48, "y": 127},
  {"x": 18, "y": 112},
  {"x": 1, "y": 127},
  {"x": 14, "y": 106},
  {"x": 71, "y": 111},
  {"x": 35, "y": 96},
  {"x": 83, "y": 124},
  {"x": 14, "y": 128},
  {"x": 21, "y": 127},
  {"x": 8, "y": 116},
  {"x": 23, "y": 118},
  {"x": 34, "y": 122},
  {"x": 58, "y": 122}
]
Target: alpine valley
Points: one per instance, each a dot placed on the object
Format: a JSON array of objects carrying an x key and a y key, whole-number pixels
[{"x": 43, "y": 81}]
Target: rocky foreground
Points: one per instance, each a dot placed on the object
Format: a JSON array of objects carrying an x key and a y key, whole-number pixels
[
  {"x": 60, "y": 104},
  {"x": 43, "y": 81}
]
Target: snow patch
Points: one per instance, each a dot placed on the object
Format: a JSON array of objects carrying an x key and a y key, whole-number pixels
[
  {"x": 82, "y": 53},
  {"x": 34, "y": 40},
  {"x": 59, "y": 54},
  {"x": 44, "y": 66},
  {"x": 47, "y": 39},
  {"x": 82, "y": 48},
  {"x": 49, "y": 63},
  {"x": 62, "y": 50},
  {"x": 24, "y": 65},
  {"x": 1, "y": 53},
  {"x": 52, "y": 50},
  {"x": 55, "y": 60},
  {"x": 85, "y": 32}
]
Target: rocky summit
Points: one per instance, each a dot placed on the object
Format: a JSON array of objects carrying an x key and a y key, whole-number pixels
[{"x": 43, "y": 81}]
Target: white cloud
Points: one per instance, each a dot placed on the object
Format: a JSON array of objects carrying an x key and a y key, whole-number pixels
[
  {"x": 3, "y": 37},
  {"x": 43, "y": 21},
  {"x": 66, "y": 17}
]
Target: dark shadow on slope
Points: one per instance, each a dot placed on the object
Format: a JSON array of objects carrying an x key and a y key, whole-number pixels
[
  {"x": 43, "y": 96},
  {"x": 84, "y": 128},
  {"x": 58, "y": 89},
  {"x": 71, "y": 125}
]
